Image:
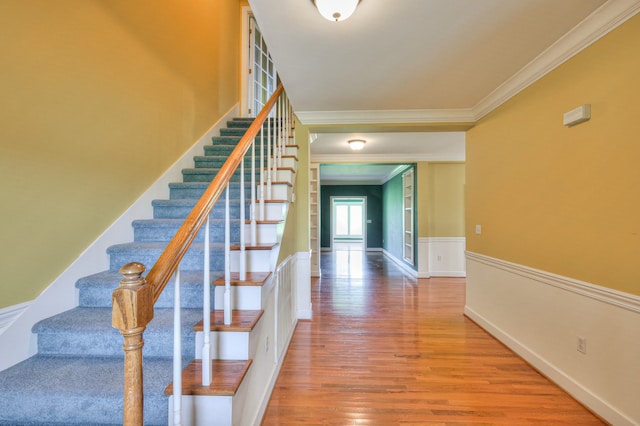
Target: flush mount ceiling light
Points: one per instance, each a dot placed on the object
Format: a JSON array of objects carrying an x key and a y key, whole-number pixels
[
  {"x": 336, "y": 10},
  {"x": 356, "y": 144}
]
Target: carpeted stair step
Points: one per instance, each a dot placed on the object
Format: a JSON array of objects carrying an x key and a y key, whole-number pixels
[
  {"x": 240, "y": 123},
  {"x": 180, "y": 208},
  {"x": 232, "y": 131},
  {"x": 88, "y": 331},
  {"x": 194, "y": 190},
  {"x": 217, "y": 161},
  {"x": 55, "y": 390},
  {"x": 165, "y": 229},
  {"x": 149, "y": 252},
  {"x": 207, "y": 175},
  {"x": 96, "y": 290}
]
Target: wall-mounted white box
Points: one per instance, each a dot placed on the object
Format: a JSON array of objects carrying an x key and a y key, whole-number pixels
[{"x": 577, "y": 115}]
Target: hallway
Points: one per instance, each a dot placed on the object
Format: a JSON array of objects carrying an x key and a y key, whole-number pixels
[{"x": 385, "y": 349}]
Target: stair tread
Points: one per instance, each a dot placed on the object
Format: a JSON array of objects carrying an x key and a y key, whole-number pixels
[
  {"x": 236, "y": 247},
  {"x": 226, "y": 378},
  {"x": 252, "y": 279},
  {"x": 241, "y": 320},
  {"x": 51, "y": 389}
]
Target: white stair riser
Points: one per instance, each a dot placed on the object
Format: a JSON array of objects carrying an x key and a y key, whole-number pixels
[
  {"x": 279, "y": 191},
  {"x": 267, "y": 233},
  {"x": 242, "y": 297},
  {"x": 204, "y": 410},
  {"x": 274, "y": 211},
  {"x": 285, "y": 175},
  {"x": 291, "y": 150},
  {"x": 229, "y": 345},
  {"x": 257, "y": 260},
  {"x": 290, "y": 162}
]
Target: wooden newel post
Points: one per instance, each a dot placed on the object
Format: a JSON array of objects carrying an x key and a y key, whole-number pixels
[{"x": 132, "y": 311}]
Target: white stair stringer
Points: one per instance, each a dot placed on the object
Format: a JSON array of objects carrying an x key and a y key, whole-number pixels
[{"x": 259, "y": 345}]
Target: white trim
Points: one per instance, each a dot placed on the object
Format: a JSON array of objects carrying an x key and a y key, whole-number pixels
[
  {"x": 61, "y": 294},
  {"x": 403, "y": 116},
  {"x": 602, "y": 294},
  {"x": 539, "y": 315},
  {"x": 401, "y": 264},
  {"x": 304, "y": 308},
  {"x": 11, "y": 313},
  {"x": 385, "y": 158},
  {"x": 245, "y": 12},
  {"x": 605, "y": 19}
]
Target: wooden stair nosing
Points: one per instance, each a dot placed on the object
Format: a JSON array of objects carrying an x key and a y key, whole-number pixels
[
  {"x": 264, "y": 222},
  {"x": 226, "y": 378},
  {"x": 236, "y": 247},
  {"x": 254, "y": 279},
  {"x": 241, "y": 320}
]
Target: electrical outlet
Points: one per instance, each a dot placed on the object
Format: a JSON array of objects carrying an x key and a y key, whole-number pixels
[
  {"x": 266, "y": 344},
  {"x": 582, "y": 345},
  {"x": 439, "y": 258}
]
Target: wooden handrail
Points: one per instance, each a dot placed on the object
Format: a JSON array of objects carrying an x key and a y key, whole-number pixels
[
  {"x": 133, "y": 301},
  {"x": 174, "y": 252}
]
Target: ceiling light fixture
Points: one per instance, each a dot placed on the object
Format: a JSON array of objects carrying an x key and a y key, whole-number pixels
[
  {"x": 336, "y": 10},
  {"x": 356, "y": 144}
]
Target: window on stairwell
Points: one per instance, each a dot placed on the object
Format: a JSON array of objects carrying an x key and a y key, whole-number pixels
[{"x": 262, "y": 77}]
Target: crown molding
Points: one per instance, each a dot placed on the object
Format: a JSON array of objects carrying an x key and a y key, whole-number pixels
[
  {"x": 385, "y": 158},
  {"x": 602, "y": 21},
  {"x": 406, "y": 116}
]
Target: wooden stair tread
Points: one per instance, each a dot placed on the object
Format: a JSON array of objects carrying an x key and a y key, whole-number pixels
[
  {"x": 241, "y": 320},
  {"x": 226, "y": 378},
  {"x": 281, "y": 183},
  {"x": 292, "y": 146},
  {"x": 265, "y": 222},
  {"x": 273, "y": 201},
  {"x": 255, "y": 248},
  {"x": 291, "y": 156},
  {"x": 253, "y": 279}
]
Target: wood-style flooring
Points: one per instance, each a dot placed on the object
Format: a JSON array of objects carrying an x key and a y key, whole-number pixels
[{"x": 386, "y": 349}]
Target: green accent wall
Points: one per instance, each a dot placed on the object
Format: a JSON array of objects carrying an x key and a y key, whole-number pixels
[
  {"x": 392, "y": 217},
  {"x": 374, "y": 210}
]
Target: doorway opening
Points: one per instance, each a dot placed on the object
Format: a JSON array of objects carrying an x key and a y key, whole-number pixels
[{"x": 348, "y": 218}]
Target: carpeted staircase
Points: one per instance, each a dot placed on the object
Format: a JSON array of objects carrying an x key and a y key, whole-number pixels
[{"x": 77, "y": 375}]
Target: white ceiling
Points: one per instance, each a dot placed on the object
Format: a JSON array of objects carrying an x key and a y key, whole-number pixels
[{"x": 414, "y": 63}]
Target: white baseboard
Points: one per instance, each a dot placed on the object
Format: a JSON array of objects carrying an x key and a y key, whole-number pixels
[
  {"x": 61, "y": 294},
  {"x": 540, "y": 315},
  {"x": 441, "y": 257},
  {"x": 9, "y": 314},
  {"x": 401, "y": 264}
]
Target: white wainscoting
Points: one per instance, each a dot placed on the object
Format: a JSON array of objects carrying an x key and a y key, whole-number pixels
[
  {"x": 302, "y": 287},
  {"x": 441, "y": 257},
  {"x": 61, "y": 294},
  {"x": 540, "y": 315}
]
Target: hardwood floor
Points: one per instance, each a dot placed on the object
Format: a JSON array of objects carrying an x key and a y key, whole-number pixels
[{"x": 385, "y": 349}]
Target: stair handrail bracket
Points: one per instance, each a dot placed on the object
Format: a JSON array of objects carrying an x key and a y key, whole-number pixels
[
  {"x": 134, "y": 300},
  {"x": 132, "y": 311}
]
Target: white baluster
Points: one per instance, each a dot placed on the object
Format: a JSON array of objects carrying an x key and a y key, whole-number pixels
[
  {"x": 227, "y": 268},
  {"x": 276, "y": 141},
  {"x": 206, "y": 310},
  {"x": 243, "y": 257},
  {"x": 177, "y": 353},
  {"x": 254, "y": 230},
  {"x": 269, "y": 159},
  {"x": 262, "y": 172}
]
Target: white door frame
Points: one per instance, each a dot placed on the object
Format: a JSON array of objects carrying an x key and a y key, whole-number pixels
[
  {"x": 364, "y": 216},
  {"x": 245, "y": 61}
]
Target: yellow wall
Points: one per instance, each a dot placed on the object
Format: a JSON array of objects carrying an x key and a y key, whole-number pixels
[
  {"x": 98, "y": 99},
  {"x": 296, "y": 235},
  {"x": 440, "y": 199},
  {"x": 565, "y": 200}
]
